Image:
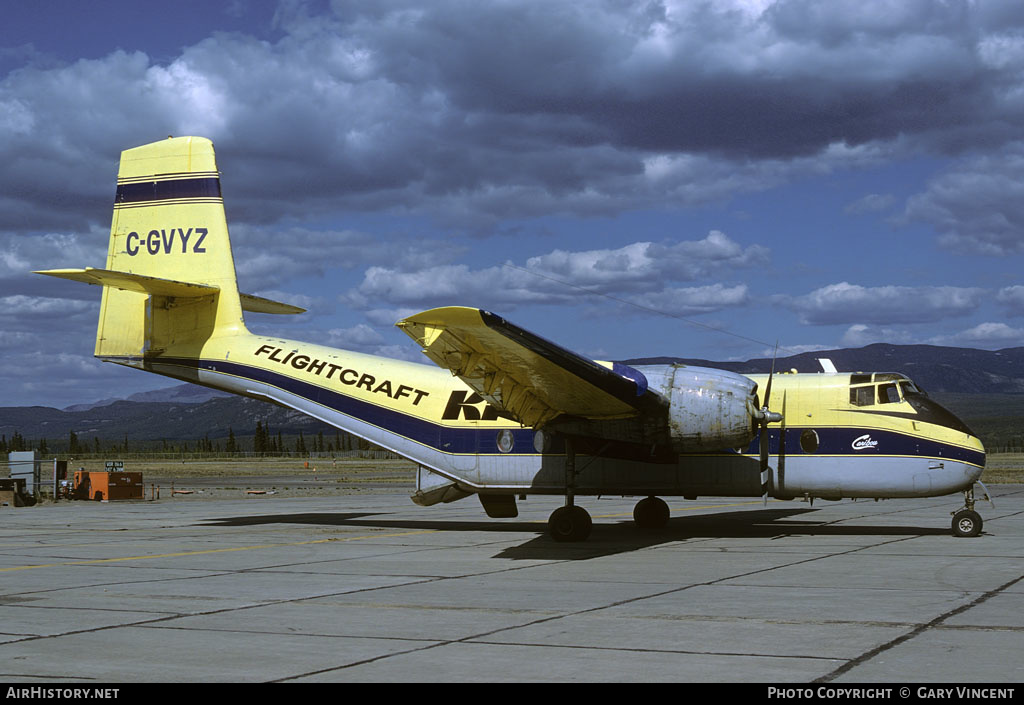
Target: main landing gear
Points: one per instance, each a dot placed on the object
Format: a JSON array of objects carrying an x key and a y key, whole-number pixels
[
  {"x": 651, "y": 513},
  {"x": 570, "y": 523},
  {"x": 966, "y": 521}
]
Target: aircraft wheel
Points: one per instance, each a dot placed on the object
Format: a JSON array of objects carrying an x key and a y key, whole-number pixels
[
  {"x": 570, "y": 524},
  {"x": 651, "y": 513},
  {"x": 967, "y": 523}
]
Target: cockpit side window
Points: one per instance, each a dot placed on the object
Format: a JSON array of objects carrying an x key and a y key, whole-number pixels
[
  {"x": 862, "y": 396},
  {"x": 888, "y": 394}
]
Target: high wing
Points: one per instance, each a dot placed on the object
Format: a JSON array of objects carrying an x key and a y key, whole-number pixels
[{"x": 527, "y": 377}]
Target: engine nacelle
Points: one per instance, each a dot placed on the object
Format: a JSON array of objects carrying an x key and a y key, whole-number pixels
[{"x": 709, "y": 409}]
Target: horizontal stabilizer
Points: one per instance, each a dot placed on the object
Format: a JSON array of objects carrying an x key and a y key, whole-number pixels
[
  {"x": 522, "y": 374},
  {"x": 258, "y": 304},
  {"x": 143, "y": 284},
  {"x": 127, "y": 281}
]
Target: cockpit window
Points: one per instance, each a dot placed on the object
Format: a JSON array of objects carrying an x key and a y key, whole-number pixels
[
  {"x": 931, "y": 412},
  {"x": 890, "y": 388},
  {"x": 862, "y": 396},
  {"x": 888, "y": 393},
  {"x": 889, "y": 377},
  {"x": 881, "y": 388}
]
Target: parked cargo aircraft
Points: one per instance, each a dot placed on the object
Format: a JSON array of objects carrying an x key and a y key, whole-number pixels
[{"x": 510, "y": 413}]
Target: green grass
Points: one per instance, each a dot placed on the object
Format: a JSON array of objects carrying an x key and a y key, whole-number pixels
[
  {"x": 350, "y": 469},
  {"x": 1001, "y": 468},
  {"x": 1004, "y": 468}
]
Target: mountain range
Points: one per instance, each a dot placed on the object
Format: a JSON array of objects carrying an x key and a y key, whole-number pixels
[
  {"x": 933, "y": 368},
  {"x": 181, "y": 394},
  {"x": 985, "y": 388}
]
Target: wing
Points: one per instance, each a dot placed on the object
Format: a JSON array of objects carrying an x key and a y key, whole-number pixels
[{"x": 524, "y": 375}]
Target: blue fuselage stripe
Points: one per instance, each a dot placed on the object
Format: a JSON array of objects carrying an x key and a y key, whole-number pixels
[
  {"x": 435, "y": 436},
  {"x": 840, "y": 441},
  {"x": 447, "y": 439}
]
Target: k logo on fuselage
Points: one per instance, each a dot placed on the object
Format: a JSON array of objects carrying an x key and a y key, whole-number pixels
[{"x": 464, "y": 404}]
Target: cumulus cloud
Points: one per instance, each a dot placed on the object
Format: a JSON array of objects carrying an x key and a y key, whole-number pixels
[
  {"x": 858, "y": 335},
  {"x": 562, "y": 276},
  {"x": 365, "y": 339},
  {"x": 977, "y": 205},
  {"x": 872, "y": 203},
  {"x": 479, "y": 117},
  {"x": 21, "y": 254},
  {"x": 19, "y": 340},
  {"x": 1012, "y": 298},
  {"x": 688, "y": 301},
  {"x": 26, "y": 313},
  {"x": 474, "y": 112},
  {"x": 986, "y": 336},
  {"x": 356, "y": 337},
  {"x": 989, "y": 335},
  {"x": 267, "y": 256},
  {"x": 641, "y": 262},
  {"x": 795, "y": 350},
  {"x": 883, "y": 305}
]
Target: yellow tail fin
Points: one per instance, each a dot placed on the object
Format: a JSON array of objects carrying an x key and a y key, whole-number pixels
[
  {"x": 169, "y": 223},
  {"x": 169, "y": 282}
]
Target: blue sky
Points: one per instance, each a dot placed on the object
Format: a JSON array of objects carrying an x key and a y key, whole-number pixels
[{"x": 618, "y": 177}]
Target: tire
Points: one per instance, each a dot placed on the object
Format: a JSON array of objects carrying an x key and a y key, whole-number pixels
[
  {"x": 966, "y": 523},
  {"x": 651, "y": 513},
  {"x": 570, "y": 524}
]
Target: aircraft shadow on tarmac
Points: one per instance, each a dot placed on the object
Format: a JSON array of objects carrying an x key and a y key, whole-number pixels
[{"x": 607, "y": 538}]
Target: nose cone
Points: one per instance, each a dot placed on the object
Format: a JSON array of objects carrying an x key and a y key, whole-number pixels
[
  {"x": 961, "y": 467},
  {"x": 980, "y": 449},
  {"x": 970, "y": 451},
  {"x": 963, "y": 448}
]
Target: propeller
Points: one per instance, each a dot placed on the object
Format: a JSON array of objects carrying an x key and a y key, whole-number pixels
[
  {"x": 782, "y": 447},
  {"x": 765, "y": 416}
]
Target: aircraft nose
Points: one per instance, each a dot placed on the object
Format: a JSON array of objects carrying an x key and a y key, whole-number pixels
[
  {"x": 984, "y": 458},
  {"x": 976, "y": 474},
  {"x": 975, "y": 463}
]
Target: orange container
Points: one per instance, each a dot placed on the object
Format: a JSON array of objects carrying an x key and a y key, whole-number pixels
[{"x": 108, "y": 485}]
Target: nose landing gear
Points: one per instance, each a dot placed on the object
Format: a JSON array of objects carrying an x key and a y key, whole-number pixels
[{"x": 966, "y": 521}]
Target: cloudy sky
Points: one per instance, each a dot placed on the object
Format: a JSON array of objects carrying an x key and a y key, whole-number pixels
[{"x": 628, "y": 179}]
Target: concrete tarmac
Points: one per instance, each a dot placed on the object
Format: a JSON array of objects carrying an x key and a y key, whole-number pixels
[{"x": 370, "y": 587}]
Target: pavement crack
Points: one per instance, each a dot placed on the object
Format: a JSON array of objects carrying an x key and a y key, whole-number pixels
[{"x": 919, "y": 629}]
